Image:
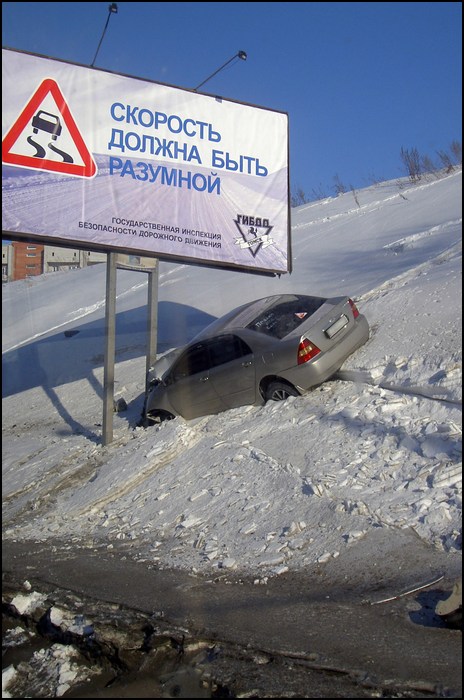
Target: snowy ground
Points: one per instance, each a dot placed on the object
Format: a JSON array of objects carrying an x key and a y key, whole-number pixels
[{"x": 256, "y": 490}]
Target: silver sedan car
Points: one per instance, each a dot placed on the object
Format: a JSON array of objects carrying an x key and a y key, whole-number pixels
[{"x": 265, "y": 350}]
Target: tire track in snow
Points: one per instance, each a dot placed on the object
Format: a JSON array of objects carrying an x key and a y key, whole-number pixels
[
  {"x": 395, "y": 282},
  {"x": 158, "y": 457},
  {"x": 358, "y": 376}
]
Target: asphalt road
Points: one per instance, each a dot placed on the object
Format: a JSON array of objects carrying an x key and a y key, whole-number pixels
[{"x": 358, "y": 627}]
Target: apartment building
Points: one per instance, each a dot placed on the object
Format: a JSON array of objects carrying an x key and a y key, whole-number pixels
[
  {"x": 7, "y": 261},
  {"x": 27, "y": 260},
  {"x": 21, "y": 260}
]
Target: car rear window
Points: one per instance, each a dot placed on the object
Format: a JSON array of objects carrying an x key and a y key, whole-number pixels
[{"x": 285, "y": 316}]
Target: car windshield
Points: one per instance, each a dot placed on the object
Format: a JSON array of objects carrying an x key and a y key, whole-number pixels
[{"x": 285, "y": 316}]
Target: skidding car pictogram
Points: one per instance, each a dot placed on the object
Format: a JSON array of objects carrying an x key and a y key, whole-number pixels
[{"x": 45, "y": 121}]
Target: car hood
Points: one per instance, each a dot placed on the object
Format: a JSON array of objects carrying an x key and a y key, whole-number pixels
[{"x": 163, "y": 364}]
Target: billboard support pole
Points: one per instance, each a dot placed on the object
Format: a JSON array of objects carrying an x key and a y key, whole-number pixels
[
  {"x": 152, "y": 318},
  {"x": 110, "y": 328}
]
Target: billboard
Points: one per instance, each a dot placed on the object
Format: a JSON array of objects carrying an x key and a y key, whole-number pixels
[{"x": 116, "y": 163}]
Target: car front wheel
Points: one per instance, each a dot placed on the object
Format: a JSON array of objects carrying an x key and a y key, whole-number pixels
[
  {"x": 158, "y": 417},
  {"x": 279, "y": 391}
]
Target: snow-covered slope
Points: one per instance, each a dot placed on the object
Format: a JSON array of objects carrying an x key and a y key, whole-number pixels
[{"x": 258, "y": 490}]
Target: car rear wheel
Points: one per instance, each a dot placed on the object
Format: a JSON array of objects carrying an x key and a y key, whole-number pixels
[{"x": 279, "y": 391}]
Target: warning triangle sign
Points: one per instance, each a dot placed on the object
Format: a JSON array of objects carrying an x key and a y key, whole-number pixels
[{"x": 45, "y": 136}]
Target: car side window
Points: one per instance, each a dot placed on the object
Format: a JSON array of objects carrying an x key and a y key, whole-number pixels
[
  {"x": 193, "y": 361},
  {"x": 226, "y": 348}
]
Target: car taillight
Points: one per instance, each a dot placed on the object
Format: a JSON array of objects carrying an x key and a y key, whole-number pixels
[
  {"x": 354, "y": 308},
  {"x": 306, "y": 351}
]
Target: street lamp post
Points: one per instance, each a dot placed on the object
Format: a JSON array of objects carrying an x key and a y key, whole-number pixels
[
  {"x": 239, "y": 54},
  {"x": 112, "y": 9}
]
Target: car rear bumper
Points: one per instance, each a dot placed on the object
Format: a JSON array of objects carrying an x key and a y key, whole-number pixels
[{"x": 321, "y": 368}]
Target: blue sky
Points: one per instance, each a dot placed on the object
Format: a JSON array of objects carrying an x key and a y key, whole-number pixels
[{"x": 359, "y": 81}]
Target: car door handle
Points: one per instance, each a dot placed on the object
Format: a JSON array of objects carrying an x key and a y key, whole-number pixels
[
  {"x": 247, "y": 364},
  {"x": 204, "y": 379}
]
